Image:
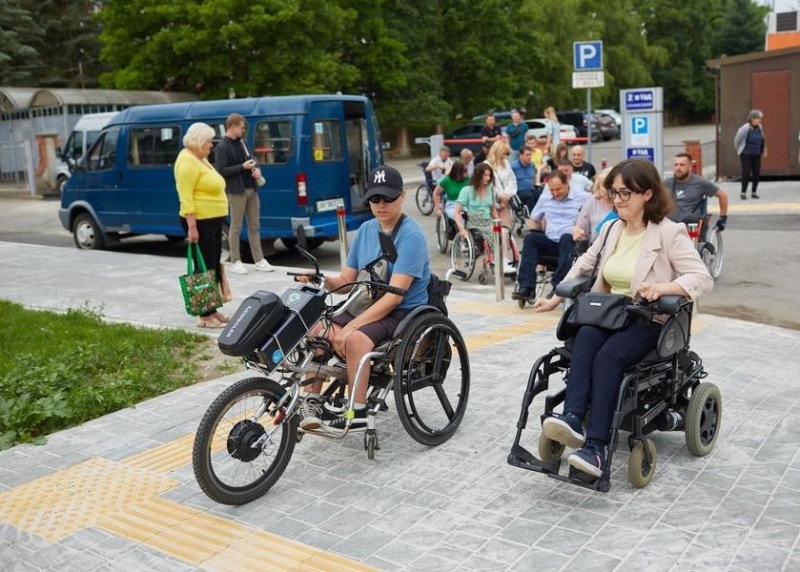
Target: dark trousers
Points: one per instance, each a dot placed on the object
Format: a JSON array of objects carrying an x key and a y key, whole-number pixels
[
  {"x": 537, "y": 244},
  {"x": 210, "y": 231},
  {"x": 599, "y": 360},
  {"x": 529, "y": 198},
  {"x": 751, "y": 171}
]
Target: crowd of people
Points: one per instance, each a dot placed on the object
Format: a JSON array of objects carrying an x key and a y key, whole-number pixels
[{"x": 565, "y": 194}]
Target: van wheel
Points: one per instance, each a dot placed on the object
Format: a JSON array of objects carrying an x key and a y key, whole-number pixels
[
  {"x": 87, "y": 234},
  {"x": 60, "y": 182}
]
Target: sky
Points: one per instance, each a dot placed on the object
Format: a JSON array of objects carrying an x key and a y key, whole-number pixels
[{"x": 782, "y": 5}]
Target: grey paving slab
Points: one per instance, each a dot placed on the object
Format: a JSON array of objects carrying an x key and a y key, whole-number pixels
[{"x": 458, "y": 506}]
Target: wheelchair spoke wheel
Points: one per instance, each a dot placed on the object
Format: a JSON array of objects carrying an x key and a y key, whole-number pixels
[
  {"x": 462, "y": 256},
  {"x": 424, "y": 200},
  {"x": 640, "y": 471},
  {"x": 442, "y": 233},
  {"x": 712, "y": 254},
  {"x": 431, "y": 385},
  {"x": 244, "y": 442},
  {"x": 703, "y": 419}
]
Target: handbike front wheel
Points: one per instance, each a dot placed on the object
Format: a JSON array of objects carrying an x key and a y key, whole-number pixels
[
  {"x": 424, "y": 200},
  {"x": 243, "y": 443},
  {"x": 432, "y": 377}
]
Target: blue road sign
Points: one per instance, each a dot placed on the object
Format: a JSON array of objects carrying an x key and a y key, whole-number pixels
[
  {"x": 642, "y": 153},
  {"x": 587, "y": 56},
  {"x": 640, "y": 125},
  {"x": 637, "y": 100}
]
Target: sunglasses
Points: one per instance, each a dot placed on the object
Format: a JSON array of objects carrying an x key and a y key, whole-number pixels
[{"x": 375, "y": 199}]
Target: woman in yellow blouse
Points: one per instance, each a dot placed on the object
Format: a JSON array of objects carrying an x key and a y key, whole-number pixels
[{"x": 203, "y": 204}]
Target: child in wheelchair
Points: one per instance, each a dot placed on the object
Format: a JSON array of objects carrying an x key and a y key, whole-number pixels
[{"x": 645, "y": 256}]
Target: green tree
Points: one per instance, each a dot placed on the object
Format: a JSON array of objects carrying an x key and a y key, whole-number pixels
[
  {"x": 72, "y": 55},
  {"x": 20, "y": 43},
  {"x": 743, "y": 28},
  {"x": 688, "y": 33}
]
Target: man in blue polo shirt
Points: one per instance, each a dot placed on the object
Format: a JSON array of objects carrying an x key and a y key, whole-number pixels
[
  {"x": 516, "y": 134},
  {"x": 560, "y": 206},
  {"x": 525, "y": 171}
]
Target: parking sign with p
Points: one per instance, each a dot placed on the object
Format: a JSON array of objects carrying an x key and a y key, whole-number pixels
[{"x": 588, "y": 56}]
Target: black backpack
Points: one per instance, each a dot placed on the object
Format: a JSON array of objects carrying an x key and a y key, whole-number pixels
[{"x": 438, "y": 290}]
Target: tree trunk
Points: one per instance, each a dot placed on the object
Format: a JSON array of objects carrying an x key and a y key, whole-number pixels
[{"x": 403, "y": 149}]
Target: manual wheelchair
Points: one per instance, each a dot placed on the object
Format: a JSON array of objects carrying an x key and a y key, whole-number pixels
[
  {"x": 465, "y": 253},
  {"x": 424, "y": 192},
  {"x": 248, "y": 434},
  {"x": 663, "y": 392}
]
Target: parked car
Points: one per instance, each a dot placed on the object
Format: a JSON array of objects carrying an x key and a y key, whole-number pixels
[
  {"x": 469, "y": 133},
  {"x": 613, "y": 113},
  {"x": 83, "y": 136},
  {"x": 604, "y": 127},
  {"x": 540, "y": 126}
]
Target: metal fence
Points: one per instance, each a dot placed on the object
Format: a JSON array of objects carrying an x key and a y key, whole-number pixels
[{"x": 709, "y": 158}]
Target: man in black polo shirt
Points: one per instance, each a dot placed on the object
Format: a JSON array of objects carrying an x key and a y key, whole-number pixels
[
  {"x": 235, "y": 162},
  {"x": 490, "y": 132}
]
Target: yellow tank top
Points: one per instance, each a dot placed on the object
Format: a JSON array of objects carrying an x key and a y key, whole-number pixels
[{"x": 619, "y": 267}]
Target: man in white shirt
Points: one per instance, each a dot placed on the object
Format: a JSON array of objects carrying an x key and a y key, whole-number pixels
[{"x": 439, "y": 166}]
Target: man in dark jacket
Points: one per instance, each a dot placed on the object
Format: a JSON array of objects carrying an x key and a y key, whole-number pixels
[{"x": 234, "y": 161}]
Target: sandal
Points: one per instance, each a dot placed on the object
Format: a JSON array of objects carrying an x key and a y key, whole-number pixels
[
  {"x": 222, "y": 318},
  {"x": 212, "y": 324}
]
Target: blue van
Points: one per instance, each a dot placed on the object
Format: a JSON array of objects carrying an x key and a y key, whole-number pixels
[{"x": 315, "y": 151}]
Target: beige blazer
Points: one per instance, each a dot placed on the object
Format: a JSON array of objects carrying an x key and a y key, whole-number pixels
[{"x": 667, "y": 254}]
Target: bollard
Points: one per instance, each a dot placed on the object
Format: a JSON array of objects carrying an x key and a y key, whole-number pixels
[
  {"x": 499, "y": 284},
  {"x": 342, "y": 223},
  {"x": 694, "y": 232}
]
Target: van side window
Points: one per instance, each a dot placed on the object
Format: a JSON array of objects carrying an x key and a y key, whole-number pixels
[
  {"x": 103, "y": 153},
  {"x": 327, "y": 144},
  {"x": 153, "y": 146},
  {"x": 74, "y": 147},
  {"x": 273, "y": 142}
]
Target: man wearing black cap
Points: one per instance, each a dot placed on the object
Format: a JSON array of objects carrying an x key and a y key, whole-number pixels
[
  {"x": 480, "y": 156},
  {"x": 355, "y": 336}
]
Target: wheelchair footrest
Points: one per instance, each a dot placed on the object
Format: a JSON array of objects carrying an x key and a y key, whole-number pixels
[{"x": 522, "y": 458}]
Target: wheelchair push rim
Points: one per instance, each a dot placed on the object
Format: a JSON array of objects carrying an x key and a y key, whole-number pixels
[
  {"x": 431, "y": 386},
  {"x": 424, "y": 198},
  {"x": 244, "y": 442},
  {"x": 712, "y": 254},
  {"x": 442, "y": 233},
  {"x": 462, "y": 256}
]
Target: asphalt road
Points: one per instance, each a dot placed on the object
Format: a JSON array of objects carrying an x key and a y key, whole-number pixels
[{"x": 758, "y": 283}]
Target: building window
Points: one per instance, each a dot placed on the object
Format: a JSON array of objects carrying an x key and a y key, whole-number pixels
[
  {"x": 786, "y": 22},
  {"x": 154, "y": 146}
]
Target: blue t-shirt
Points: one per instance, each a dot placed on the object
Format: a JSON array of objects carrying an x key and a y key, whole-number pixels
[
  {"x": 516, "y": 134},
  {"x": 525, "y": 175},
  {"x": 412, "y": 257}
]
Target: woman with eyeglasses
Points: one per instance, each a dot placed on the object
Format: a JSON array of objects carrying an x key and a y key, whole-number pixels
[
  {"x": 355, "y": 336},
  {"x": 643, "y": 255}
]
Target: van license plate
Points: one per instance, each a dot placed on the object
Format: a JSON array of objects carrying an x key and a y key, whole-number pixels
[{"x": 329, "y": 204}]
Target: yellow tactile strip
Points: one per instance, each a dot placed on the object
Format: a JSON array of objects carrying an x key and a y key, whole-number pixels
[
  {"x": 60, "y": 504},
  {"x": 216, "y": 544},
  {"x": 487, "y": 339},
  {"x": 164, "y": 458}
]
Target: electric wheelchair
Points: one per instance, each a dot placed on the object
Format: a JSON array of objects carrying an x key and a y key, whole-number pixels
[
  {"x": 663, "y": 392},
  {"x": 248, "y": 434}
]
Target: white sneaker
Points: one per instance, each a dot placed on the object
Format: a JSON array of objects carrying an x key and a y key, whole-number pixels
[
  {"x": 237, "y": 267},
  {"x": 508, "y": 267},
  {"x": 264, "y": 266}
]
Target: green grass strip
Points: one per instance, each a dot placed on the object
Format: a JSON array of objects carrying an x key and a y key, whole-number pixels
[{"x": 60, "y": 370}]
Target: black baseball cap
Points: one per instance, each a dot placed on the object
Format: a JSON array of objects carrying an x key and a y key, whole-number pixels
[{"x": 385, "y": 181}]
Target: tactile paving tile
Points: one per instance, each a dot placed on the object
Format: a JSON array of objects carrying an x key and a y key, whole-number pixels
[
  {"x": 217, "y": 544},
  {"x": 492, "y": 309},
  {"x": 62, "y": 503},
  {"x": 487, "y": 339}
]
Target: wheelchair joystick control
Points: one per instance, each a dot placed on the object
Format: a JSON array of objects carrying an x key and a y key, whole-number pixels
[{"x": 669, "y": 421}]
